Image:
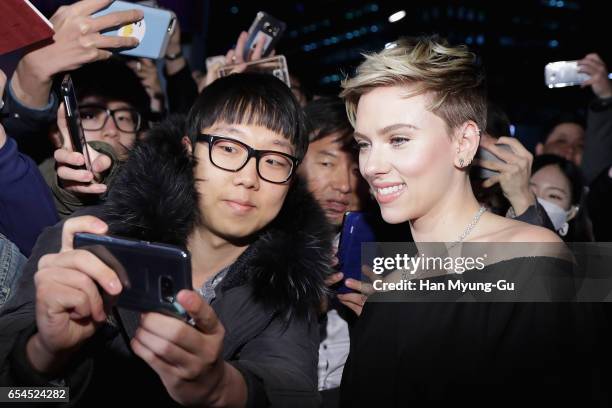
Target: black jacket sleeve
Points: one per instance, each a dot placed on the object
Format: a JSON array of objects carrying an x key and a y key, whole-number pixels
[
  {"x": 279, "y": 365},
  {"x": 536, "y": 215},
  {"x": 18, "y": 324},
  {"x": 597, "y": 153},
  {"x": 29, "y": 126},
  {"x": 182, "y": 91}
]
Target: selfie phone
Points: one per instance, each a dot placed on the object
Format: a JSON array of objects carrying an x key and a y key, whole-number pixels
[
  {"x": 357, "y": 228},
  {"x": 73, "y": 120},
  {"x": 153, "y": 31},
  {"x": 267, "y": 26},
  {"x": 563, "y": 73},
  {"x": 484, "y": 154},
  {"x": 151, "y": 274}
]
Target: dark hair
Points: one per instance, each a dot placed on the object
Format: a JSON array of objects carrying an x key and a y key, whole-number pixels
[
  {"x": 327, "y": 115},
  {"x": 568, "y": 168},
  {"x": 498, "y": 123},
  {"x": 110, "y": 80},
  {"x": 580, "y": 229},
  {"x": 253, "y": 99},
  {"x": 563, "y": 117}
]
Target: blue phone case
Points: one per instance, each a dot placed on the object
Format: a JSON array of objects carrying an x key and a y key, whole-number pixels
[
  {"x": 357, "y": 228},
  {"x": 153, "y": 30}
]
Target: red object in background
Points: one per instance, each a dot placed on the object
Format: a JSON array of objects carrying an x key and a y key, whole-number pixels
[{"x": 21, "y": 24}]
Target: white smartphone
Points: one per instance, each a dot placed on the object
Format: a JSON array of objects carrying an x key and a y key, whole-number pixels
[{"x": 563, "y": 73}]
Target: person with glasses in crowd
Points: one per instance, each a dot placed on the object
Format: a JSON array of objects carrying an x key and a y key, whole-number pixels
[
  {"x": 114, "y": 108},
  {"x": 224, "y": 186}
]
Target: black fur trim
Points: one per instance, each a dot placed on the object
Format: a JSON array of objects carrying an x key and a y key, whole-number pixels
[{"x": 154, "y": 198}]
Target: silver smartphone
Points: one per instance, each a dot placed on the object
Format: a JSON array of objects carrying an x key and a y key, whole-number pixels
[
  {"x": 484, "y": 154},
  {"x": 560, "y": 74}
]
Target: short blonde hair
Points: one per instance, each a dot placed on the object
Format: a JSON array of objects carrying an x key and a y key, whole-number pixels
[{"x": 451, "y": 74}]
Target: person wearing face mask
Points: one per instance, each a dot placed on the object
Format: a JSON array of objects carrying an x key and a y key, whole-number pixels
[{"x": 557, "y": 184}]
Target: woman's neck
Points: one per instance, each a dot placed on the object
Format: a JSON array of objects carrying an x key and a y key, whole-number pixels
[
  {"x": 447, "y": 219},
  {"x": 209, "y": 254}
]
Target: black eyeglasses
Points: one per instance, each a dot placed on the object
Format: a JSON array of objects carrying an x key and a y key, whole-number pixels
[
  {"x": 94, "y": 117},
  {"x": 232, "y": 155}
]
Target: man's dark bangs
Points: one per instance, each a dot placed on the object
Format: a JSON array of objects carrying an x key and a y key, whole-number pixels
[{"x": 261, "y": 100}]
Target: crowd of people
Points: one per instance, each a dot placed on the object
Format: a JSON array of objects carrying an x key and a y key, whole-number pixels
[{"x": 410, "y": 138}]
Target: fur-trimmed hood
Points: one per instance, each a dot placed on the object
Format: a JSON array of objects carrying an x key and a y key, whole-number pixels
[{"x": 154, "y": 198}]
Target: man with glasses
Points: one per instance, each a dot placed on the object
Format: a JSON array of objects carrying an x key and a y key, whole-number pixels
[
  {"x": 224, "y": 186},
  {"x": 114, "y": 109},
  {"x": 232, "y": 155}
]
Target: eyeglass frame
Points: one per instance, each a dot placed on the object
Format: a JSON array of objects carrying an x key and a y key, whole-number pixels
[
  {"x": 111, "y": 113},
  {"x": 251, "y": 152}
]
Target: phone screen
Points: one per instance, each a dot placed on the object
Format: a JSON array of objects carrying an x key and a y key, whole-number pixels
[{"x": 73, "y": 119}]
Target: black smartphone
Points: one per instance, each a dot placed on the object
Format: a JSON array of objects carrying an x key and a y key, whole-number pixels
[
  {"x": 152, "y": 274},
  {"x": 265, "y": 26},
  {"x": 73, "y": 119}
]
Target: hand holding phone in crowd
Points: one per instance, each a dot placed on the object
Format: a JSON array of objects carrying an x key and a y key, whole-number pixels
[
  {"x": 68, "y": 161},
  {"x": 69, "y": 306},
  {"x": 514, "y": 170},
  {"x": 77, "y": 41},
  {"x": 599, "y": 82}
]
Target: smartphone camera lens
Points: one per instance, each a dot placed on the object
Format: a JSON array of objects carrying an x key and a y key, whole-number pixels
[
  {"x": 166, "y": 288},
  {"x": 171, "y": 25}
]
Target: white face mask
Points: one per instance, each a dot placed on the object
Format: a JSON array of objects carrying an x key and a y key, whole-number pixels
[{"x": 557, "y": 215}]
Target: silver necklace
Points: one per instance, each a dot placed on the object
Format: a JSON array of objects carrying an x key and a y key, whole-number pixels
[{"x": 469, "y": 228}]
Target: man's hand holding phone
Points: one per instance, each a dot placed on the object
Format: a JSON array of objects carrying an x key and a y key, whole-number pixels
[
  {"x": 593, "y": 66},
  {"x": 69, "y": 306},
  {"x": 361, "y": 290},
  {"x": 80, "y": 181},
  {"x": 236, "y": 56},
  {"x": 514, "y": 170},
  {"x": 188, "y": 358}
]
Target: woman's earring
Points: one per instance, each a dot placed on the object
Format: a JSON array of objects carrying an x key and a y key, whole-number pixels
[{"x": 460, "y": 162}]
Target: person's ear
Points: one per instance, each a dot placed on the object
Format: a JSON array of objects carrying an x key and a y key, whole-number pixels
[
  {"x": 467, "y": 139},
  {"x": 539, "y": 149},
  {"x": 187, "y": 144}
]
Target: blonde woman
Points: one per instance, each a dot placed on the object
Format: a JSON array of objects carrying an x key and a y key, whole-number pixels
[{"x": 418, "y": 110}]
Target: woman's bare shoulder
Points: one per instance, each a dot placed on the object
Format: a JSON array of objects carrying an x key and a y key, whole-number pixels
[{"x": 504, "y": 229}]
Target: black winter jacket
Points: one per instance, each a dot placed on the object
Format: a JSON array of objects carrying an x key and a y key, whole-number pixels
[{"x": 267, "y": 302}]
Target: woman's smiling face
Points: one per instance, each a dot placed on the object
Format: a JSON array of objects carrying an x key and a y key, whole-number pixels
[{"x": 405, "y": 152}]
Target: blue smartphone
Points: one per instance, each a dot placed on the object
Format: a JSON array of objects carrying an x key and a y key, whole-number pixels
[
  {"x": 358, "y": 227},
  {"x": 153, "y": 31},
  {"x": 152, "y": 274}
]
